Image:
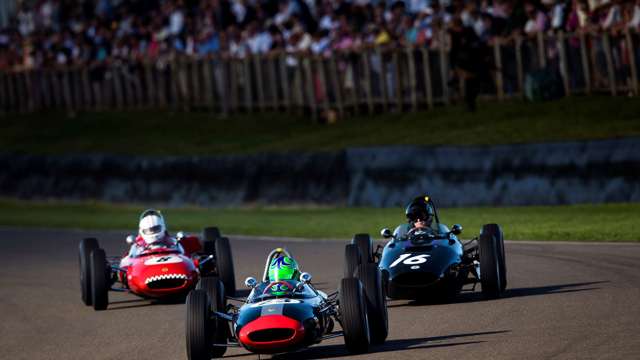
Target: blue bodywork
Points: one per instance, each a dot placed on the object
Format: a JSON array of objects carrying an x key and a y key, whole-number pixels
[{"x": 423, "y": 264}]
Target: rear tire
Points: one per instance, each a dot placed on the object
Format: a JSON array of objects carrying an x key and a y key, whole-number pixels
[
  {"x": 224, "y": 264},
  {"x": 503, "y": 259},
  {"x": 219, "y": 329},
  {"x": 198, "y": 326},
  {"x": 353, "y": 311},
  {"x": 86, "y": 246},
  {"x": 365, "y": 244},
  {"x": 490, "y": 268},
  {"x": 351, "y": 260},
  {"x": 210, "y": 235},
  {"x": 371, "y": 278},
  {"x": 99, "y": 279}
]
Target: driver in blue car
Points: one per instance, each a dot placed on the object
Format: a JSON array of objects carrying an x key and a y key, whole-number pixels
[
  {"x": 420, "y": 214},
  {"x": 283, "y": 274}
]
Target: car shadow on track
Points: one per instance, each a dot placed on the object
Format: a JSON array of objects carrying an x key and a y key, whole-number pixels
[
  {"x": 475, "y": 296},
  {"x": 138, "y": 303},
  {"x": 339, "y": 350}
]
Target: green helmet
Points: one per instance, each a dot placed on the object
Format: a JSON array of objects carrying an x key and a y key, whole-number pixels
[{"x": 283, "y": 268}]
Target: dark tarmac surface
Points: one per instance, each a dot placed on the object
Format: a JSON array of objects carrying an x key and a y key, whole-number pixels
[{"x": 564, "y": 301}]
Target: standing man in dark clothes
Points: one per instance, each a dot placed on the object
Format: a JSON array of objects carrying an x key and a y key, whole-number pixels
[{"x": 469, "y": 59}]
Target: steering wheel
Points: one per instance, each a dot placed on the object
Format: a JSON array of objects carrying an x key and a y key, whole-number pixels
[
  {"x": 273, "y": 283},
  {"x": 412, "y": 231},
  {"x": 421, "y": 234}
]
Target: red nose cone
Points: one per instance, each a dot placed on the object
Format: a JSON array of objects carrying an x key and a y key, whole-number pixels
[
  {"x": 159, "y": 276},
  {"x": 271, "y": 332}
]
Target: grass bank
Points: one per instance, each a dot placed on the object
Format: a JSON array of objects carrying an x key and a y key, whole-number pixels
[
  {"x": 610, "y": 222},
  {"x": 165, "y": 133}
]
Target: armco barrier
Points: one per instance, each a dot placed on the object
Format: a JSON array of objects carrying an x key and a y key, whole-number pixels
[{"x": 543, "y": 174}]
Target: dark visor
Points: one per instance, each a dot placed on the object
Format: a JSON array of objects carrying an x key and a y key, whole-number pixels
[{"x": 152, "y": 230}]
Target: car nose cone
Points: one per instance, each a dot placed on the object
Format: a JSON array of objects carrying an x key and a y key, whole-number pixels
[{"x": 271, "y": 333}]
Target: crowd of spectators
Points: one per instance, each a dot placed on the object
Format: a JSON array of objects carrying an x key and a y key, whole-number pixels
[{"x": 62, "y": 32}]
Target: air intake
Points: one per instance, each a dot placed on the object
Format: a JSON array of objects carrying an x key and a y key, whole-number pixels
[
  {"x": 269, "y": 335},
  {"x": 415, "y": 279},
  {"x": 166, "y": 284}
]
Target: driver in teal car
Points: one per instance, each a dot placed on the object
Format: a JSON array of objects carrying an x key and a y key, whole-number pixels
[
  {"x": 283, "y": 270},
  {"x": 420, "y": 214}
]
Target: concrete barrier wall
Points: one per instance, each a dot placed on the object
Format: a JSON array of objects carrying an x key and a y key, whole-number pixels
[{"x": 559, "y": 173}]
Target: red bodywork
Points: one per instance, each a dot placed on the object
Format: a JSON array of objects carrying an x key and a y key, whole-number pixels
[
  {"x": 259, "y": 334},
  {"x": 162, "y": 272}
]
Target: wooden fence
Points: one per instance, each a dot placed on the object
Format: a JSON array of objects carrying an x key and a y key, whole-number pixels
[{"x": 348, "y": 83}]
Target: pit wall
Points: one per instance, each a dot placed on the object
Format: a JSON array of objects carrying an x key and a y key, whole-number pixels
[{"x": 532, "y": 174}]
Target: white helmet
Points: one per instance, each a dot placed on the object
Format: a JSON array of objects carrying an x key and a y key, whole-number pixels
[{"x": 151, "y": 227}]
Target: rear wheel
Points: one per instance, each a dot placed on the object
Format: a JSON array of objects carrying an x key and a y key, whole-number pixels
[
  {"x": 353, "y": 311},
  {"x": 87, "y": 245},
  {"x": 490, "y": 268},
  {"x": 99, "y": 279},
  {"x": 371, "y": 279},
  {"x": 224, "y": 264},
  {"x": 351, "y": 260},
  {"x": 365, "y": 244},
  {"x": 198, "y": 326},
  {"x": 217, "y": 302},
  {"x": 502, "y": 258},
  {"x": 210, "y": 235}
]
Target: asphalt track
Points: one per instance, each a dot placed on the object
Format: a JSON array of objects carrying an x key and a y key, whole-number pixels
[{"x": 564, "y": 301}]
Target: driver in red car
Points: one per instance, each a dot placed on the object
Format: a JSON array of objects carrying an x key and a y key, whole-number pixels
[{"x": 152, "y": 234}]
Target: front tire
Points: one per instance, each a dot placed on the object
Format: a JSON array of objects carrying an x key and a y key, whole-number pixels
[
  {"x": 99, "y": 279},
  {"x": 490, "y": 268},
  {"x": 198, "y": 326},
  {"x": 371, "y": 279},
  {"x": 217, "y": 302},
  {"x": 353, "y": 311},
  {"x": 86, "y": 246}
]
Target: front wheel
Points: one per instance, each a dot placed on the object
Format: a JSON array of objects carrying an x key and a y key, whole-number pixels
[
  {"x": 85, "y": 248},
  {"x": 198, "y": 326},
  {"x": 217, "y": 302},
  {"x": 99, "y": 279},
  {"x": 491, "y": 270},
  {"x": 371, "y": 279},
  {"x": 353, "y": 312}
]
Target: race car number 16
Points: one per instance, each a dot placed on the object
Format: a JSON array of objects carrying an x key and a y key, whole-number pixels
[{"x": 408, "y": 259}]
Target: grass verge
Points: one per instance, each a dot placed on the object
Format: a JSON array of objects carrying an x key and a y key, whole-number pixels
[
  {"x": 164, "y": 133},
  {"x": 609, "y": 222}
]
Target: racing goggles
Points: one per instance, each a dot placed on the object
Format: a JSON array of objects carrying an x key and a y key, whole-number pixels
[
  {"x": 152, "y": 230},
  {"x": 418, "y": 216}
]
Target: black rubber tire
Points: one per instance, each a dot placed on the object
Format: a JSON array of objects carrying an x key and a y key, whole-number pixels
[
  {"x": 490, "y": 269},
  {"x": 198, "y": 326},
  {"x": 351, "y": 260},
  {"x": 371, "y": 278},
  {"x": 503, "y": 259},
  {"x": 210, "y": 235},
  {"x": 217, "y": 302},
  {"x": 99, "y": 279},
  {"x": 365, "y": 244},
  {"x": 353, "y": 313},
  {"x": 224, "y": 264},
  {"x": 85, "y": 248}
]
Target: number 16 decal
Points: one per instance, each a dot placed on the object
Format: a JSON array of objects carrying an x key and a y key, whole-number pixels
[{"x": 408, "y": 259}]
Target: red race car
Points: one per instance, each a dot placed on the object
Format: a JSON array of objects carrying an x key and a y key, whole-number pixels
[{"x": 160, "y": 272}]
